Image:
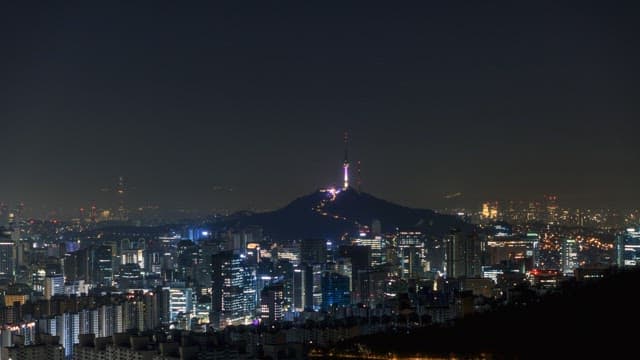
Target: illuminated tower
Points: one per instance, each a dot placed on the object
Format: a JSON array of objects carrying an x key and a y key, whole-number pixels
[
  {"x": 121, "y": 190},
  {"x": 345, "y": 164}
]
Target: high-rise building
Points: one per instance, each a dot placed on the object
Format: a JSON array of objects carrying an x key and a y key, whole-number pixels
[
  {"x": 272, "y": 303},
  {"x": 628, "y": 247},
  {"x": 181, "y": 302},
  {"x": 299, "y": 288},
  {"x": 7, "y": 249},
  {"x": 372, "y": 286},
  {"x": 569, "y": 255},
  {"x": 335, "y": 290},
  {"x": 68, "y": 329},
  {"x": 411, "y": 254},
  {"x": 464, "y": 254},
  {"x": 53, "y": 285},
  {"x": 378, "y": 249},
  {"x": 315, "y": 286},
  {"x": 360, "y": 257},
  {"x": 103, "y": 265},
  {"x": 233, "y": 293},
  {"x": 313, "y": 251}
]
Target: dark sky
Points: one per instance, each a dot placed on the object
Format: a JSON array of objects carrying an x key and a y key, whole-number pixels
[{"x": 493, "y": 99}]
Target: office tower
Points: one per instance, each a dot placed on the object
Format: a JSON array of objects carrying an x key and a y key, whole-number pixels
[
  {"x": 299, "y": 288},
  {"x": 315, "y": 286},
  {"x": 187, "y": 258},
  {"x": 411, "y": 254},
  {"x": 272, "y": 303},
  {"x": 335, "y": 290},
  {"x": 282, "y": 272},
  {"x": 7, "y": 249},
  {"x": 180, "y": 302},
  {"x": 7, "y": 269},
  {"x": 371, "y": 286},
  {"x": 343, "y": 266},
  {"x": 153, "y": 260},
  {"x": 464, "y": 254},
  {"x": 378, "y": 249},
  {"x": 360, "y": 261},
  {"x": 233, "y": 299},
  {"x": 130, "y": 277},
  {"x": 53, "y": 285},
  {"x": 629, "y": 247},
  {"x": 569, "y": 254},
  {"x": 102, "y": 265},
  {"x": 313, "y": 251}
]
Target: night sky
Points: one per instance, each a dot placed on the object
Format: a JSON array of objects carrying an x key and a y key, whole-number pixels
[{"x": 496, "y": 100}]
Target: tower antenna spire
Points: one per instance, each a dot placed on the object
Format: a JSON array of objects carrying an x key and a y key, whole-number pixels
[{"x": 345, "y": 164}]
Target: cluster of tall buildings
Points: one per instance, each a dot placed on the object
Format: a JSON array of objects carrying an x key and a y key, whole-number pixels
[
  {"x": 58, "y": 290},
  {"x": 548, "y": 210}
]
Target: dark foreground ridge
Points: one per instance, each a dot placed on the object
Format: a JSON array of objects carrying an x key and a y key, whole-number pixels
[{"x": 598, "y": 319}]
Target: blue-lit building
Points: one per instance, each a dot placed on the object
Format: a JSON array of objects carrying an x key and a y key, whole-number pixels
[{"x": 335, "y": 290}]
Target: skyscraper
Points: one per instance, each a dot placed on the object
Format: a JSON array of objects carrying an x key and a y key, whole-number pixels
[
  {"x": 378, "y": 248},
  {"x": 7, "y": 246},
  {"x": 103, "y": 265},
  {"x": 53, "y": 285},
  {"x": 299, "y": 288},
  {"x": 464, "y": 254},
  {"x": 180, "y": 302},
  {"x": 411, "y": 253},
  {"x": 313, "y": 251},
  {"x": 569, "y": 256},
  {"x": 628, "y": 247},
  {"x": 335, "y": 290},
  {"x": 233, "y": 292},
  {"x": 272, "y": 303}
]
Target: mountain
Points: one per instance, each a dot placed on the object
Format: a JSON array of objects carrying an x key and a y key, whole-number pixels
[{"x": 331, "y": 214}]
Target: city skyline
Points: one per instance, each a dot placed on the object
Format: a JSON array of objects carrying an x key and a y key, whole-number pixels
[
  {"x": 306, "y": 180},
  {"x": 243, "y": 107}
]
